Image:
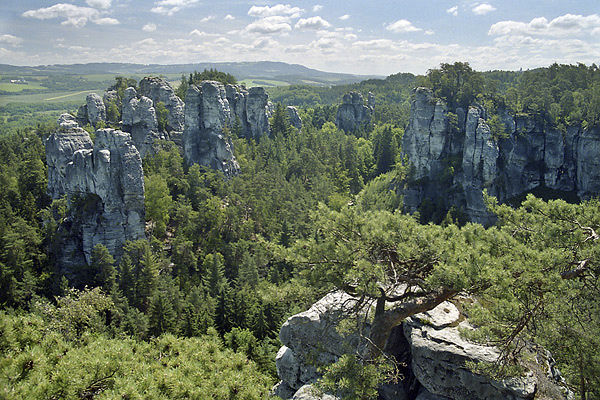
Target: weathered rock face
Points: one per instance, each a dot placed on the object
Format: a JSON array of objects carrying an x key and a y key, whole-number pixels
[
  {"x": 93, "y": 111},
  {"x": 429, "y": 343},
  {"x": 251, "y": 108},
  {"x": 353, "y": 113},
  {"x": 294, "y": 117},
  {"x": 207, "y": 114},
  {"x": 159, "y": 90},
  {"x": 139, "y": 119},
  {"x": 464, "y": 158},
  {"x": 104, "y": 185}
]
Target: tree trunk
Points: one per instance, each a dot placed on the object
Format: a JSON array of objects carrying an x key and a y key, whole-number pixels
[{"x": 385, "y": 320}]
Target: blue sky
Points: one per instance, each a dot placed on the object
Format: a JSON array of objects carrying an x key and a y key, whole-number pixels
[{"x": 352, "y": 36}]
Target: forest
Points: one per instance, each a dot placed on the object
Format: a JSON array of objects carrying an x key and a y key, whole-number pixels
[{"x": 194, "y": 310}]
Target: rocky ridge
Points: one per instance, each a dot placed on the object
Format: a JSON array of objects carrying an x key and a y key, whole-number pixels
[
  {"x": 212, "y": 110},
  {"x": 104, "y": 186},
  {"x": 429, "y": 344},
  {"x": 463, "y": 155}
]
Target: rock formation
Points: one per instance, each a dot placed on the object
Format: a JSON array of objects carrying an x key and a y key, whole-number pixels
[
  {"x": 159, "y": 90},
  {"x": 429, "y": 343},
  {"x": 251, "y": 108},
  {"x": 463, "y": 157},
  {"x": 93, "y": 111},
  {"x": 104, "y": 186},
  {"x": 294, "y": 117},
  {"x": 139, "y": 119},
  {"x": 207, "y": 118},
  {"x": 353, "y": 114}
]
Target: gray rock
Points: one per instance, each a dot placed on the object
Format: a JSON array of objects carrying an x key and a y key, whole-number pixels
[
  {"x": 531, "y": 156},
  {"x": 353, "y": 114},
  {"x": 139, "y": 119},
  {"x": 588, "y": 164},
  {"x": 424, "y": 394},
  {"x": 257, "y": 106},
  {"x": 438, "y": 362},
  {"x": 310, "y": 339},
  {"x": 294, "y": 117},
  {"x": 445, "y": 314},
  {"x": 205, "y": 142},
  {"x": 160, "y": 90},
  {"x": 60, "y": 147},
  {"x": 96, "y": 111},
  {"x": 104, "y": 186},
  {"x": 420, "y": 143},
  {"x": 283, "y": 390},
  {"x": 307, "y": 392}
]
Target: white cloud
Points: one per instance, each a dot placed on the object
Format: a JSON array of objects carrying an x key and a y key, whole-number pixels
[
  {"x": 11, "y": 40},
  {"x": 73, "y": 15},
  {"x": 453, "y": 10},
  {"x": 99, "y": 3},
  {"x": 208, "y": 18},
  {"x": 317, "y": 8},
  {"x": 106, "y": 21},
  {"x": 199, "y": 33},
  {"x": 402, "y": 26},
  {"x": 314, "y": 23},
  {"x": 345, "y": 17},
  {"x": 430, "y": 32},
  {"x": 483, "y": 9},
  {"x": 563, "y": 26},
  {"x": 170, "y": 7},
  {"x": 229, "y": 17},
  {"x": 270, "y": 25},
  {"x": 278, "y": 9},
  {"x": 149, "y": 27}
]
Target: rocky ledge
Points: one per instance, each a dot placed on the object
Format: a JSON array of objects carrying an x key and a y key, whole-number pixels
[{"x": 429, "y": 344}]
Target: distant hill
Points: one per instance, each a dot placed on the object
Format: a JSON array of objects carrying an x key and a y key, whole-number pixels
[{"x": 265, "y": 70}]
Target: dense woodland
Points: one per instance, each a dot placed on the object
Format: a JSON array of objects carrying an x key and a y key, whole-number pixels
[{"x": 198, "y": 305}]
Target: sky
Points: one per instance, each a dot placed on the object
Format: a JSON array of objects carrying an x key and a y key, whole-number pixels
[{"x": 369, "y": 37}]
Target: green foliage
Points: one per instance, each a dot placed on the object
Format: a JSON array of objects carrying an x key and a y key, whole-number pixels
[
  {"x": 212, "y": 75},
  {"x": 158, "y": 203},
  {"x": 161, "y": 115},
  {"x": 38, "y": 364},
  {"x": 280, "y": 123},
  {"x": 457, "y": 84},
  {"x": 350, "y": 378}
]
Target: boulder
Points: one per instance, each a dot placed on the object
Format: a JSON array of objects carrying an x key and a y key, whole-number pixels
[
  {"x": 104, "y": 186},
  {"x": 205, "y": 138}
]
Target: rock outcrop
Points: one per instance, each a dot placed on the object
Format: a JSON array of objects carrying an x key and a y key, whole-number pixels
[
  {"x": 463, "y": 156},
  {"x": 160, "y": 90},
  {"x": 207, "y": 118},
  {"x": 93, "y": 111},
  {"x": 353, "y": 114},
  {"x": 294, "y": 117},
  {"x": 428, "y": 343},
  {"x": 104, "y": 186},
  {"x": 251, "y": 108},
  {"x": 139, "y": 119}
]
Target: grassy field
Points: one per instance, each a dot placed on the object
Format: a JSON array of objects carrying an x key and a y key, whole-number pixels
[
  {"x": 58, "y": 96},
  {"x": 251, "y": 82},
  {"x": 16, "y": 87}
]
